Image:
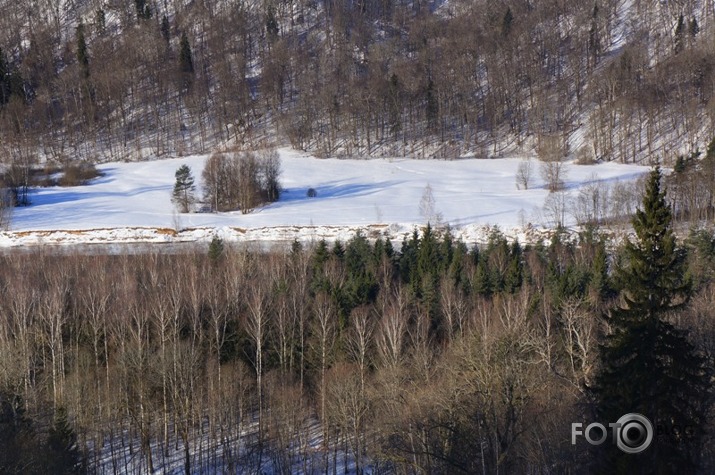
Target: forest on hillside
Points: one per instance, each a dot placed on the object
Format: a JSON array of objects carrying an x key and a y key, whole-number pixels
[
  {"x": 602, "y": 80},
  {"x": 423, "y": 357}
]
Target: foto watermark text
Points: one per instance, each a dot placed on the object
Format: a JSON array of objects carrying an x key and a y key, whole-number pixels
[{"x": 632, "y": 433}]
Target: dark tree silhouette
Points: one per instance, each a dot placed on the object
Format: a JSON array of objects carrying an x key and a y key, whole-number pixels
[
  {"x": 82, "y": 53},
  {"x": 648, "y": 366}
]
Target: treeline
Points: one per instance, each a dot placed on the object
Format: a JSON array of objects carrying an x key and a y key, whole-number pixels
[
  {"x": 429, "y": 356},
  {"x": 241, "y": 181},
  {"x": 415, "y": 78}
]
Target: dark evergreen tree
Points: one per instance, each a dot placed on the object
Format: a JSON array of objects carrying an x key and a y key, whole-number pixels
[
  {"x": 432, "y": 109},
  {"x": 694, "y": 28},
  {"x": 4, "y": 73},
  {"x": 183, "y": 194},
  {"x": 216, "y": 250},
  {"x": 63, "y": 455},
  {"x": 648, "y": 366},
  {"x": 600, "y": 280},
  {"x": 425, "y": 275},
  {"x": 389, "y": 250},
  {"x": 456, "y": 264},
  {"x": 428, "y": 255},
  {"x": 296, "y": 248},
  {"x": 701, "y": 257},
  {"x": 20, "y": 449},
  {"x": 594, "y": 37},
  {"x": 408, "y": 257},
  {"x": 446, "y": 250},
  {"x": 514, "y": 271},
  {"x": 271, "y": 23},
  {"x": 393, "y": 104},
  {"x": 15, "y": 85},
  {"x": 338, "y": 250},
  {"x": 680, "y": 165},
  {"x": 186, "y": 62},
  {"x": 378, "y": 251},
  {"x": 482, "y": 280},
  {"x": 320, "y": 257},
  {"x": 496, "y": 258},
  {"x": 507, "y": 22},
  {"x": 679, "y": 34},
  {"x": 360, "y": 284},
  {"x": 82, "y": 54},
  {"x": 165, "y": 29}
]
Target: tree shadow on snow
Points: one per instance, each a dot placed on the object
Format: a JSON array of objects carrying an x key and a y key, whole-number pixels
[{"x": 335, "y": 190}]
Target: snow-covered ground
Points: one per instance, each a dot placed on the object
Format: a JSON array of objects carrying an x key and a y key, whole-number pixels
[{"x": 131, "y": 202}]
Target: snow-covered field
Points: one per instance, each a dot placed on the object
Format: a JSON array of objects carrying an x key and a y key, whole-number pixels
[{"x": 131, "y": 202}]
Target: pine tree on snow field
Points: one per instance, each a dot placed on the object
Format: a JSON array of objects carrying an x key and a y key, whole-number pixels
[
  {"x": 647, "y": 365},
  {"x": 183, "y": 194}
]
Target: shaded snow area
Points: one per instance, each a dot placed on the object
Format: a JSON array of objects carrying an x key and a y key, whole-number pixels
[
  {"x": 131, "y": 202},
  {"x": 218, "y": 453}
]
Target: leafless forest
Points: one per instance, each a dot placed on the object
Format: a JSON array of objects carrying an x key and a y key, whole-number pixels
[
  {"x": 433, "y": 358},
  {"x": 605, "y": 80}
]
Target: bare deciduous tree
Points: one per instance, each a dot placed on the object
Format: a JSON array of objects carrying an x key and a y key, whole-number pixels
[
  {"x": 523, "y": 174},
  {"x": 391, "y": 329},
  {"x": 553, "y": 169},
  {"x": 428, "y": 206}
]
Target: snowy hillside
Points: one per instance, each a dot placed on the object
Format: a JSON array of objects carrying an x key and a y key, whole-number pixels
[{"x": 131, "y": 202}]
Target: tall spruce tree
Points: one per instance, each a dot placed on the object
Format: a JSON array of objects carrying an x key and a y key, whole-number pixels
[
  {"x": 648, "y": 366},
  {"x": 165, "y": 29},
  {"x": 82, "y": 54},
  {"x": 186, "y": 62}
]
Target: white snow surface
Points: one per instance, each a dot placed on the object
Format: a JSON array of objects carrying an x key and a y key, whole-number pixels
[{"x": 131, "y": 202}]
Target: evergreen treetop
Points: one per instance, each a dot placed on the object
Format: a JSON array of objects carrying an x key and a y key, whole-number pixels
[
  {"x": 216, "y": 249},
  {"x": 654, "y": 279},
  {"x": 186, "y": 62}
]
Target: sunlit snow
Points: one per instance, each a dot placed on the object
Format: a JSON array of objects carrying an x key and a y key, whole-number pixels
[{"x": 131, "y": 200}]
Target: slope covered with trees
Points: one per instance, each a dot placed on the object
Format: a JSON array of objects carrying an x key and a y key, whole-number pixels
[{"x": 609, "y": 79}]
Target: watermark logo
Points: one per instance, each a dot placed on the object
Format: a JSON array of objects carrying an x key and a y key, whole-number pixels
[{"x": 632, "y": 433}]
